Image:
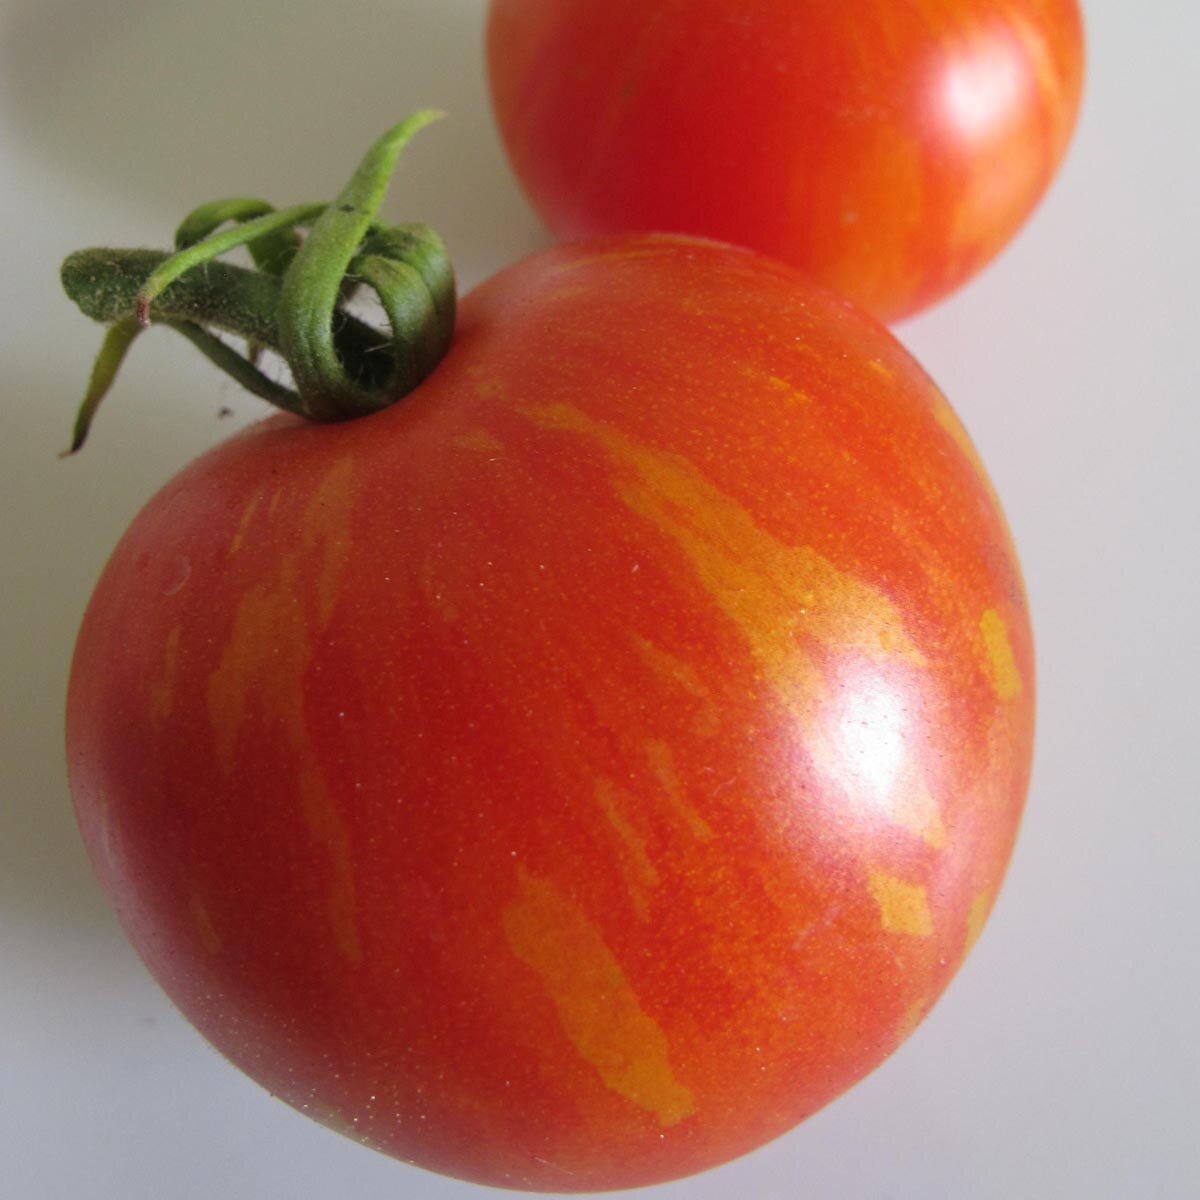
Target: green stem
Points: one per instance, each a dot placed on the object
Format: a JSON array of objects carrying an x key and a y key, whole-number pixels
[
  {"x": 220, "y": 243},
  {"x": 272, "y": 252},
  {"x": 223, "y": 355},
  {"x": 293, "y": 303},
  {"x": 106, "y": 285},
  {"x": 108, "y": 362},
  {"x": 312, "y": 283}
]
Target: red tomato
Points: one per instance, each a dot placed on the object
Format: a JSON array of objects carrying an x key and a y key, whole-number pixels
[
  {"x": 890, "y": 148},
  {"x": 578, "y": 773}
]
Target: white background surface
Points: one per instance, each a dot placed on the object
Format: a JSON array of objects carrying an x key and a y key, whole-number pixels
[{"x": 1063, "y": 1061}]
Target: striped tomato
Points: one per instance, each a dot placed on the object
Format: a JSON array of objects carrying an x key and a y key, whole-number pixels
[
  {"x": 577, "y": 774},
  {"x": 890, "y": 147}
]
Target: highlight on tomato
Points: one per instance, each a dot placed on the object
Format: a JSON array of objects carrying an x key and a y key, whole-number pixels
[
  {"x": 575, "y": 774},
  {"x": 891, "y": 148}
]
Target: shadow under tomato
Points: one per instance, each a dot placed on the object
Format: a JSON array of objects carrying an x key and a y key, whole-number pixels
[{"x": 172, "y": 104}]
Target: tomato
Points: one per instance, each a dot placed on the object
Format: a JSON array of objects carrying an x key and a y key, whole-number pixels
[
  {"x": 577, "y": 774},
  {"x": 891, "y": 149}
]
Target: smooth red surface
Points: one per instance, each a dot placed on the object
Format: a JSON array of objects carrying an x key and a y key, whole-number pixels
[
  {"x": 579, "y": 773},
  {"x": 889, "y": 147}
]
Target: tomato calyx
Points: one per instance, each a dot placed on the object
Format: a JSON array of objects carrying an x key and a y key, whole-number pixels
[{"x": 293, "y": 302}]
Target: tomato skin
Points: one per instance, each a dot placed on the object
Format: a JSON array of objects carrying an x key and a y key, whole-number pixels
[
  {"x": 890, "y": 149},
  {"x": 577, "y": 774}
]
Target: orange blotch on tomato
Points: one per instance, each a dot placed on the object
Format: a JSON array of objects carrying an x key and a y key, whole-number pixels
[
  {"x": 162, "y": 689},
  {"x": 663, "y": 765},
  {"x": 1000, "y": 663},
  {"x": 205, "y": 929},
  {"x": 903, "y": 906},
  {"x": 481, "y": 441},
  {"x": 244, "y": 524},
  {"x": 981, "y": 905},
  {"x": 599, "y": 1011}
]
